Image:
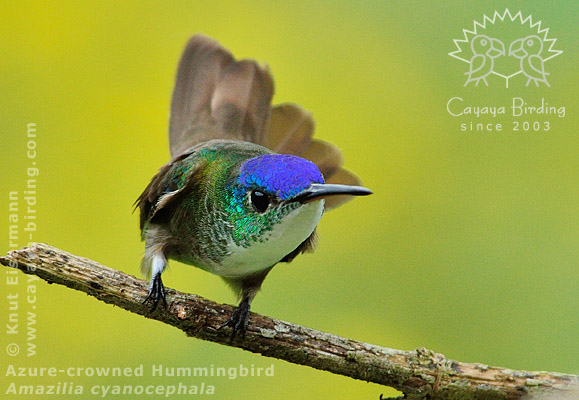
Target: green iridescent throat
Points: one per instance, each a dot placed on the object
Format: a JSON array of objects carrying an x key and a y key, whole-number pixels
[
  {"x": 248, "y": 225},
  {"x": 220, "y": 205}
]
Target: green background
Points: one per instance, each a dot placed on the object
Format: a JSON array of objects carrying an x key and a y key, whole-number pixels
[{"x": 469, "y": 245}]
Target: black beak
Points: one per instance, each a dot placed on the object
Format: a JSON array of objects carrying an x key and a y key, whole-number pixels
[{"x": 319, "y": 190}]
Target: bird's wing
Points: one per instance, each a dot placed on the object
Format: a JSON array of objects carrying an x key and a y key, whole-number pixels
[
  {"x": 217, "y": 97},
  {"x": 537, "y": 66},
  {"x": 307, "y": 246},
  {"x": 476, "y": 64},
  {"x": 174, "y": 180}
]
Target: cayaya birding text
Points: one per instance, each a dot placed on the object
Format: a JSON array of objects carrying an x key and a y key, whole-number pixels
[{"x": 519, "y": 116}]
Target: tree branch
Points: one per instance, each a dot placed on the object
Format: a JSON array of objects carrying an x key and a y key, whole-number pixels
[{"x": 418, "y": 374}]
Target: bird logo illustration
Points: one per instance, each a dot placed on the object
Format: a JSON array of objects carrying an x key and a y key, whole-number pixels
[
  {"x": 485, "y": 49},
  {"x": 528, "y": 50},
  {"x": 506, "y": 46}
]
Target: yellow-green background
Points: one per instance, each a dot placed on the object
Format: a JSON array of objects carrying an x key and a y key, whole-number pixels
[{"x": 469, "y": 245}]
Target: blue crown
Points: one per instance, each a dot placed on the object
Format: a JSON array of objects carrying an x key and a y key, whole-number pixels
[{"x": 279, "y": 174}]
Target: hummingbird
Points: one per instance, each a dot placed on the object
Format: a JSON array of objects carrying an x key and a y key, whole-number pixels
[{"x": 247, "y": 184}]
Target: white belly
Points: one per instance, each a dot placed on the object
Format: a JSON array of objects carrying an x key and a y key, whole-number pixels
[{"x": 284, "y": 238}]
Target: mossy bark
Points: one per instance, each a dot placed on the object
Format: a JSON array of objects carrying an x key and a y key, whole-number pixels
[{"x": 419, "y": 373}]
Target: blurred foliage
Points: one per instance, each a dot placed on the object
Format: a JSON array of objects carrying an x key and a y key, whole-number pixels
[{"x": 469, "y": 245}]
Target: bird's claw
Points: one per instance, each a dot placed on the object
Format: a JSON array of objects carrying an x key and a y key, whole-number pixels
[
  {"x": 239, "y": 320},
  {"x": 156, "y": 293}
]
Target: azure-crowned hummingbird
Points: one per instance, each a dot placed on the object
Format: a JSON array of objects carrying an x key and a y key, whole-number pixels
[{"x": 246, "y": 185}]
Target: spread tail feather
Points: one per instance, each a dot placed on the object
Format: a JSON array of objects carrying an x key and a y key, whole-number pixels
[
  {"x": 325, "y": 155},
  {"x": 217, "y": 97},
  {"x": 344, "y": 177},
  {"x": 291, "y": 131}
]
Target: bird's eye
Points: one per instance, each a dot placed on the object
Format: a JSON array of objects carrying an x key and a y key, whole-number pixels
[
  {"x": 259, "y": 200},
  {"x": 483, "y": 42},
  {"x": 530, "y": 42}
]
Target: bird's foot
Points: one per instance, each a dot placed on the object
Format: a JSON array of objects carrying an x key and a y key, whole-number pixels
[
  {"x": 239, "y": 320},
  {"x": 156, "y": 293}
]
